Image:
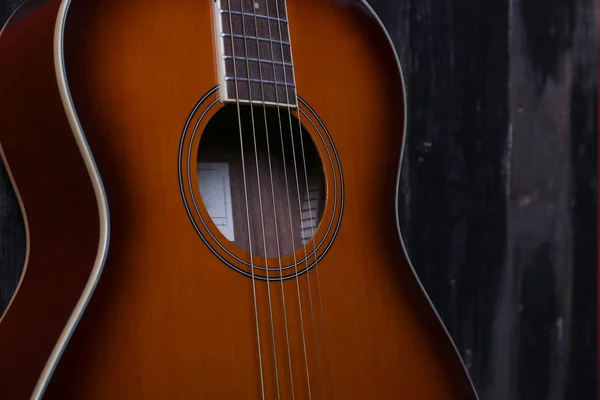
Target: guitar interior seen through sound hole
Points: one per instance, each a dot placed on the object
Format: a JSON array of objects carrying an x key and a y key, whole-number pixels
[{"x": 292, "y": 218}]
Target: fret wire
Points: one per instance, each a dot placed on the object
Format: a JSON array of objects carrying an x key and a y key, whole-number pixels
[
  {"x": 239, "y": 58},
  {"x": 264, "y": 45},
  {"x": 246, "y": 14},
  {"x": 270, "y": 71},
  {"x": 244, "y": 95},
  {"x": 230, "y": 78},
  {"x": 236, "y": 36}
]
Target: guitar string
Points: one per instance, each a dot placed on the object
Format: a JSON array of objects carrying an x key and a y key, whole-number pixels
[
  {"x": 237, "y": 102},
  {"x": 285, "y": 320},
  {"x": 288, "y": 198},
  {"x": 316, "y": 269},
  {"x": 262, "y": 221},
  {"x": 296, "y": 173},
  {"x": 312, "y": 239}
]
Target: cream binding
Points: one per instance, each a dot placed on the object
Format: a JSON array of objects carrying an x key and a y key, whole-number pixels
[{"x": 103, "y": 214}]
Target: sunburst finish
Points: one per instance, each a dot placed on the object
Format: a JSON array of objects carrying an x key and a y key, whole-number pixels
[{"x": 169, "y": 318}]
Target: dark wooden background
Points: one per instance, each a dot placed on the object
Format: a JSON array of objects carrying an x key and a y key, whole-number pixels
[{"x": 498, "y": 197}]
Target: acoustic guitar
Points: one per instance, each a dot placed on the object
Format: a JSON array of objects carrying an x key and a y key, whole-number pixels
[{"x": 209, "y": 189}]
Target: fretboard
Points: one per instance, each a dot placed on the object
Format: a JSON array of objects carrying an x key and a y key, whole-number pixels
[{"x": 254, "y": 52}]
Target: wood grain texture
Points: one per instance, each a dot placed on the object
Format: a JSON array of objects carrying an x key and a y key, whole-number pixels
[
  {"x": 551, "y": 266},
  {"x": 499, "y": 192}
]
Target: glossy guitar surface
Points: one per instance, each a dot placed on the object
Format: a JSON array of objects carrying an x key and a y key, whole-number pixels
[{"x": 187, "y": 305}]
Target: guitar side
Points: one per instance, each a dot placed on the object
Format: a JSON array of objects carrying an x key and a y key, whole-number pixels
[{"x": 62, "y": 200}]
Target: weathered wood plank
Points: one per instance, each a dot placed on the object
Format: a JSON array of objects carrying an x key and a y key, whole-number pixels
[
  {"x": 551, "y": 264},
  {"x": 454, "y": 187},
  {"x": 499, "y": 190}
]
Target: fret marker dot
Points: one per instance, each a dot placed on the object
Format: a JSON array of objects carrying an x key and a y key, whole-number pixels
[{"x": 256, "y": 5}]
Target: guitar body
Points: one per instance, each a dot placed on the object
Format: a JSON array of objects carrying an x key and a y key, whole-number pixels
[{"x": 182, "y": 309}]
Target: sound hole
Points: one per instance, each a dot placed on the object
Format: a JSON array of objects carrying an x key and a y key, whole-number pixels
[{"x": 285, "y": 165}]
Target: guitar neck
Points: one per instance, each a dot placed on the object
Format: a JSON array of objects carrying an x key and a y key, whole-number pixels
[{"x": 254, "y": 52}]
